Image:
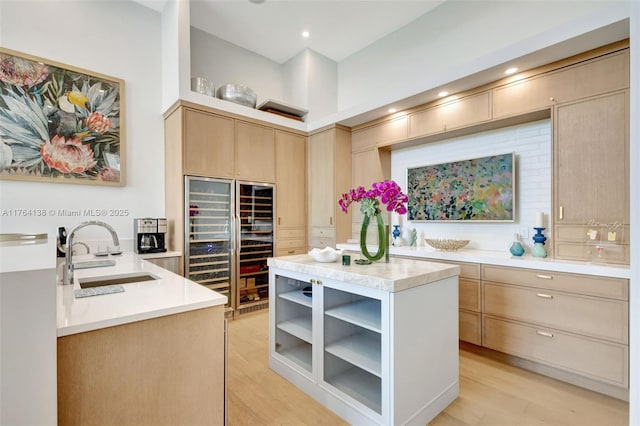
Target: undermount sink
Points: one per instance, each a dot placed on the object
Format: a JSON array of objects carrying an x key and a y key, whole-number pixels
[{"x": 115, "y": 279}]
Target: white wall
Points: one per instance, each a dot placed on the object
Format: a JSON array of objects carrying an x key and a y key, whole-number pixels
[
  {"x": 222, "y": 62},
  {"x": 531, "y": 143},
  {"x": 460, "y": 38},
  {"x": 123, "y": 42},
  {"x": 294, "y": 75},
  {"x": 323, "y": 86}
]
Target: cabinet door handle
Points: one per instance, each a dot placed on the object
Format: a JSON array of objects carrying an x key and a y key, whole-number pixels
[
  {"x": 312, "y": 281},
  {"x": 318, "y": 282},
  {"x": 544, "y": 296},
  {"x": 331, "y": 220},
  {"x": 561, "y": 213},
  {"x": 278, "y": 221},
  {"x": 544, "y": 277},
  {"x": 544, "y": 333}
]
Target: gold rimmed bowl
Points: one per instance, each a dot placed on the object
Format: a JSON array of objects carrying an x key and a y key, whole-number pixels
[{"x": 446, "y": 244}]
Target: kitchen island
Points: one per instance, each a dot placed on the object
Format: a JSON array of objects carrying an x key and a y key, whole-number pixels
[
  {"x": 376, "y": 344},
  {"x": 152, "y": 354}
]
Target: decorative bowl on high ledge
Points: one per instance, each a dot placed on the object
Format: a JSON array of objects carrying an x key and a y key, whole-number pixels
[{"x": 446, "y": 244}]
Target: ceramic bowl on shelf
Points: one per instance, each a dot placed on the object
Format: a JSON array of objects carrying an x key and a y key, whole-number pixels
[
  {"x": 446, "y": 244},
  {"x": 325, "y": 255}
]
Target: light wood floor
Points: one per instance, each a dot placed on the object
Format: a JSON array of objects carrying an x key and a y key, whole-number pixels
[{"x": 491, "y": 393}]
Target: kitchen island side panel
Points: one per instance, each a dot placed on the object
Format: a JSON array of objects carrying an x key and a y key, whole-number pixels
[{"x": 425, "y": 351}]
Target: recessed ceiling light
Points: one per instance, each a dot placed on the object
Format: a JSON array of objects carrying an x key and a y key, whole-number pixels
[
  {"x": 257, "y": 1},
  {"x": 443, "y": 93},
  {"x": 305, "y": 34},
  {"x": 392, "y": 110},
  {"x": 511, "y": 70}
]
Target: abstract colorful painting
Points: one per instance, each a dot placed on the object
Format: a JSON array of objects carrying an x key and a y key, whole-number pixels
[
  {"x": 59, "y": 123},
  {"x": 481, "y": 189}
]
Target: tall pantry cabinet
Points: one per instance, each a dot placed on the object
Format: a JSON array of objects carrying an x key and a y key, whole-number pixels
[
  {"x": 329, "y": 165},
  {"x": 205, "y": 143}
]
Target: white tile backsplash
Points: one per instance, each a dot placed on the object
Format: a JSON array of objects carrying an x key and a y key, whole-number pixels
[{"x": 531, "y": 143}]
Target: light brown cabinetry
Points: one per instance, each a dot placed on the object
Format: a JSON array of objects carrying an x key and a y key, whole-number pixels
[
  {"x": 163, "y": 371},
  {"x": 291, "y": 197},
  {"x": 208, "y": 141},
  {"x": 450, "y": 115},
  {"x": 329, "y": 166},
  {"x": 255, "y": 152},
  {"x": 368, "y": 166},
  {"x": 587, "y": 78},
  {"x": 379, "y": 134},
  {"x": 575, "y": 323},
  {"x": 591, "y": 178}
]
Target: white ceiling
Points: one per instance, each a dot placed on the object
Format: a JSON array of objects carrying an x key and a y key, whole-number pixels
[{"x": 273, "y": 29}]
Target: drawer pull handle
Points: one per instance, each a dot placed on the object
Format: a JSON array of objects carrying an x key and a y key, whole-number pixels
[
  {"x": 544, "y": 333},
  {"x": 544, "y": 277},
  {"x": 545, "y": 296},
  {"x": 291, "y": 251}
]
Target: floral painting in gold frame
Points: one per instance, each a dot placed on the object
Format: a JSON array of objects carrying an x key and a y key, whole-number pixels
[{"x": 59, "y": 123}]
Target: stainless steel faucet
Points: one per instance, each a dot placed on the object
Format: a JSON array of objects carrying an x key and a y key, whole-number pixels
[{"x": 67, "y": 272}]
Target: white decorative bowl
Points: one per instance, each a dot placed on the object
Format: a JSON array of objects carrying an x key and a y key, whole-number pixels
[
  {"x": 326, "y": 255},
  {"x": 448, "y": 245}
]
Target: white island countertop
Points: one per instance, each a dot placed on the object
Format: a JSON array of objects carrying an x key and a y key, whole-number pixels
[
  {"x": 397, "y": 275},
  {"x": 167, "y": 295}
]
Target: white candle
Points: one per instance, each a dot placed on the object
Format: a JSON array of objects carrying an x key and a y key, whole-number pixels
[
  {"x": 539, "y": 220},
  {"x": 395, "y": 219}
]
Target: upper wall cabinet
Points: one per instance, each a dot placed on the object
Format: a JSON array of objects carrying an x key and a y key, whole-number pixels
[
  {"x": 255, "y": 152},
  {"x": 379, "y": 134},
  {"x": 450, "y": 115},
  {"x": 600, "y": 75},
  {"x": 208, "y": 144}
]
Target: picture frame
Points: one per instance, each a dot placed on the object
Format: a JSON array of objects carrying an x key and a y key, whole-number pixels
[
  {"x": 475, "y": 190},
  {"x": 60, "y": 123}
]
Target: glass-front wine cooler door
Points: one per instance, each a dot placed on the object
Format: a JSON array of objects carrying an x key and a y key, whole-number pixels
[
  {"x": 209, "y": 233},
  {"x": 255, "y": 211}
]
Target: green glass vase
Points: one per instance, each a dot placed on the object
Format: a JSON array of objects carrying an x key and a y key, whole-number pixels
[{"x": 382, "y": 237}]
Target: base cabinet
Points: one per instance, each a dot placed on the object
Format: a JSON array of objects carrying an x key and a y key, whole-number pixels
[
  {"x": 353, "y": 348},
  {"x": 163, "y": 371},
  {"x": 577, "y": 324}
]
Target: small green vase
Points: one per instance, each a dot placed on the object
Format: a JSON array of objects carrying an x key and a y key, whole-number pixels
[{"x": 382, "y": 237}]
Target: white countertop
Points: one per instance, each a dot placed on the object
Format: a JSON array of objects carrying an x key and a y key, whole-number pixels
[
  {"x": 397, "y": 275},
  {"x": 169, "y": 294},
  {"x": 160, "y": 255},
  {"x": 506, "y": 259}
]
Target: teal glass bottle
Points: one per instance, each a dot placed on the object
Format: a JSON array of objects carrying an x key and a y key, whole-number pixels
[{"x": 516, "y": 248}]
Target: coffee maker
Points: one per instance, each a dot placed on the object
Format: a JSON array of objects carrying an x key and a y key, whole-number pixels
[{"x": 150, "y": 235}]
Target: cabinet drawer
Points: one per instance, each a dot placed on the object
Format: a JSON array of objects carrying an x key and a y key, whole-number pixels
[
  {"x": 590, "y": 316},
  {"x": 317, "y": 232},
  {"x": 604, "y": 252},
  {"x": 290, "y": 251},
  {"x": 289, "y": 243},
  {"x": 600, "y": 360},
  {"x": 469, "y": 327},
  {"x": 615, "y": 288},
  {"x": 322, "y": 242},
  {"x": 469, "y": 294},
  {"x": 291, "y": 233}
]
